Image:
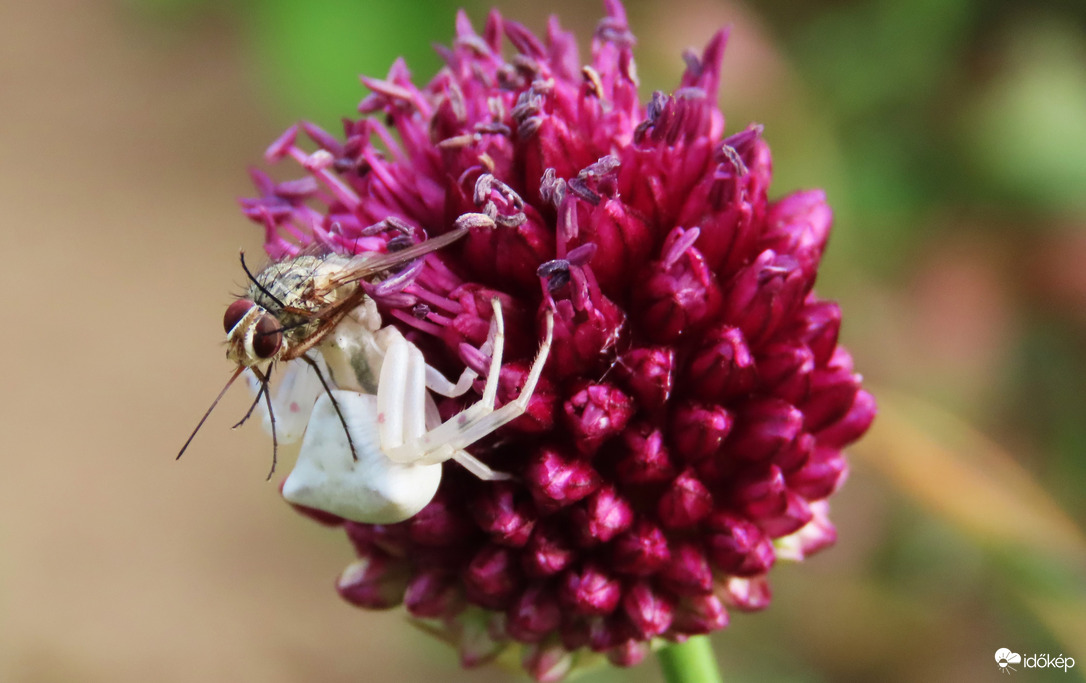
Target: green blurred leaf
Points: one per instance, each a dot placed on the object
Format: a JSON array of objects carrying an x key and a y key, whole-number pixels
[
  {"x": 1049, "y": 398},
  {"x": 1026, "y": 133},
  {"x": 874, "y": 55},
  {"x": 310, "y": 53}
]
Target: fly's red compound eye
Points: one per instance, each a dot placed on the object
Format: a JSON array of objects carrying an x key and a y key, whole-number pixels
[
  {"x": 268, "y": 337},
  {"x": 235, "y": 312}
]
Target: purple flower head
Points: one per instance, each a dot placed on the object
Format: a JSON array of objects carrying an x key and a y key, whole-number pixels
[{"x": 691, "y": 416}]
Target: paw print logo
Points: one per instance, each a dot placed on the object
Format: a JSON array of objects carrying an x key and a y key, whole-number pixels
[{"x": 1004, "y": 658}]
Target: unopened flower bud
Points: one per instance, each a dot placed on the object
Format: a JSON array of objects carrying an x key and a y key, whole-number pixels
[
  {"x": 688, "y": 572},
  {"x": 738, "y": 547},
  {"x": 629, "y": 653},
  {"x": 556, "y": 480},
  {"x": 763, "y": 429},
  {"x": 538, "y": 417},
  {"x": 745, "y": 594},
  {"x": 622, "y": 236},
  {"x": 796, "y": 514},
  {"x": 817, "y": 325},
  {"x": 433, "y": 594},
  {"x": 723, "y": 366},
  {"x": 596, "y": 412},
  {"x": 491, "y": 578},
  {"x": 853, "y": 425},
  {"x": 821, "y": 475},
  {"x": 685, "y": 503},
  {"x": 798, "y": 225},
  {"x": 819, "y": 533},
  {"x": 698, "y": 430},
  {"x": 785, "y": 369},
  {"x": 374, "y": 582},
  {"x": 533, "y": 615},
  {"x": 699, "y": 614},
  {"x": 391, "y": 539},
  {"x": 648, "y": 373},
  {"x": 548, "y": 551},
  {"x": 587, "y": 324},
  {"x": 644, "y": 457},
  {"x": 679, "y": 292},
  {"x": 606, "y": 633},
  {"x": 765, "y": 294},
  {"x": 507, "y": 521},
  {"x": 647, "y": 610},
  {"x": 601, "y": 517},
  {"x": 641, "y": 551},
  {"x": 547, "y": 663},
  {"x": 589, "y": 591},
  {"x": 438, "y": 525},
  {"x": 833, "y": 390},
  {"x": 763, "y": 494}
]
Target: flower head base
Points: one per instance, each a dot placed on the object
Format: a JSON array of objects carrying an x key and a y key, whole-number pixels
[{"x": 691, "y": 418}]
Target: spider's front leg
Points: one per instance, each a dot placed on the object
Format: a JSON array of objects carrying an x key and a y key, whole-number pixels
[
  {"x": 447, "y": 441},
  {"x": 405, "y": 410}
]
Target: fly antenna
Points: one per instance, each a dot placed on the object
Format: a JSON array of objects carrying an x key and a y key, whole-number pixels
[
  {"x": 335, "y": 403},
  {"x": 256, "y": 282},
  {"x": 237, "y": 373}
]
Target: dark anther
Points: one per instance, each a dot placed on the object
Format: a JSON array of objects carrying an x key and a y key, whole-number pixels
[
  {"x": 512, "y": 220},
  {"x": 556, "y": 272},
  {"x": 603, "y": 166},
  {"x": 493, "y": 128},
  {"x": 579, "y": 187},
  {"x": 552, "y": 188},
  {"x": 656, "y": 105},
  {"x": 420, "y": 311},
  {"x": 399, "y": 243},
  {"x": 391, "y": 223},
  {"x": 731, "y": 154}
]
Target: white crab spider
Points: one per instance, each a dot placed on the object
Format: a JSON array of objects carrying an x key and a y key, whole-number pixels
[{"x": 398, "y": 437}]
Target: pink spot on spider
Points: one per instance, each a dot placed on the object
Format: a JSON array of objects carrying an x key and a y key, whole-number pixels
[
  {"x": 294, "y": 407},
  {"x": 380, "y": 418}
]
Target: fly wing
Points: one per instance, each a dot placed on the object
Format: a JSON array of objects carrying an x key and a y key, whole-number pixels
[{"x": 365, "y": 265}]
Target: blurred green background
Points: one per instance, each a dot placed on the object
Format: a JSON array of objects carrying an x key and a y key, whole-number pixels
[{"x": 950, "y": 136}]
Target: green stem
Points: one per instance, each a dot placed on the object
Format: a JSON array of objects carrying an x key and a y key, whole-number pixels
[{"x": 690, "y": 662}]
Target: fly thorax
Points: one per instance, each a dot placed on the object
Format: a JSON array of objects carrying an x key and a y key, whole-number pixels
[{"x": 296, "y": 289}]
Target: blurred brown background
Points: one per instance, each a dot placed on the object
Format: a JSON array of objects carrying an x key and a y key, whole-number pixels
[{"x": 952, "y": 140}]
